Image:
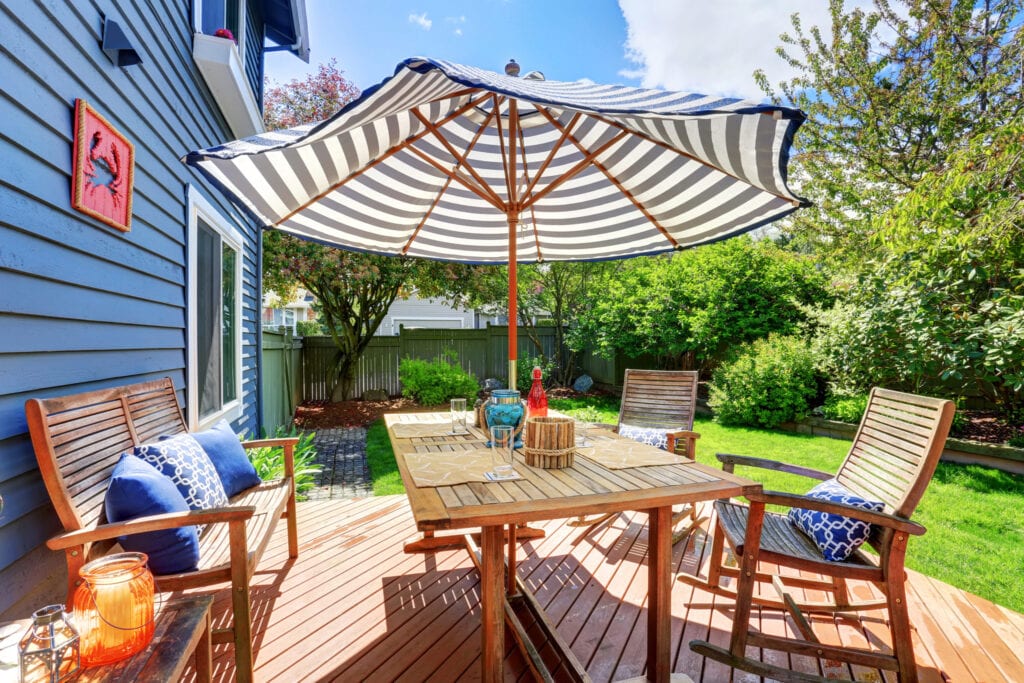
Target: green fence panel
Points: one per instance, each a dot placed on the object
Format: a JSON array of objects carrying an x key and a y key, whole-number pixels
[{"x": 282, "y": 391}]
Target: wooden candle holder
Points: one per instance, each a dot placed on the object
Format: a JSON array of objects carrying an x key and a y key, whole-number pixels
[{"x": 550, "y": 442}]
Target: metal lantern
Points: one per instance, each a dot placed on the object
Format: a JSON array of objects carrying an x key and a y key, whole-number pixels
[{"x": 49, "y": 649}]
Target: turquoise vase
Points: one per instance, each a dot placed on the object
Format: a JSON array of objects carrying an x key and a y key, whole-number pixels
[{"x": 506, "y": 408}]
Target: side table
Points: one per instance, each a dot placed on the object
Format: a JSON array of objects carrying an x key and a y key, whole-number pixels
[{"x": 182, "y": 630}]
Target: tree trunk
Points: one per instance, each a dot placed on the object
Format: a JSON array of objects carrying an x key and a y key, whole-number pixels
[{"x": 346, "y": 378}]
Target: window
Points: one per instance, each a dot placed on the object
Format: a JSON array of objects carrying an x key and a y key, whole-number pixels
[
  {"x": 214, "y": 14},
  {"x": 214, "y": 313}
]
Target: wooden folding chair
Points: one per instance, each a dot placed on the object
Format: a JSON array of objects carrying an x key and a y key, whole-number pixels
[
  {"x": 657, "y": 400},
  {"x": 892, "y": 459}
]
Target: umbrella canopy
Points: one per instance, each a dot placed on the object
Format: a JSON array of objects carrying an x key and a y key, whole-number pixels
[{"x": 450, "y": 162}]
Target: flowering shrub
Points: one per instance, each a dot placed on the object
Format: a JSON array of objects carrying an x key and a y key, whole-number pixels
[{"x": 433, "y": 383}]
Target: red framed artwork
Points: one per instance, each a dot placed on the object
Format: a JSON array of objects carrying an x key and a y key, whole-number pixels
[{"x": 103, "y": 169}]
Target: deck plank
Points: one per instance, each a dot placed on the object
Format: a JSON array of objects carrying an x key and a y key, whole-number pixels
[{"x": 354, "y": 606}]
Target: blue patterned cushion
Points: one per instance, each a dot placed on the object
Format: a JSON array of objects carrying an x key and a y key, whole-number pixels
[
  {"x": 182, "y": 460},
  {"x": 652, "y": 436},
  {"x": 228, "y": 457},
  {"x": 836, "y": 536},
  {"x": 137, "y": 489}
]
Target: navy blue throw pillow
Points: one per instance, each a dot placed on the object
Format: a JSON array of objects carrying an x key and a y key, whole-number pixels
[
  {"x": 229, "y": 459},
  {"x": 138, "y": 489},
  {"x": 836, "y": 536}
]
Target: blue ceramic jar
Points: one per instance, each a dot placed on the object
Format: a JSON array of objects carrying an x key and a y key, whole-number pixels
[{"x": 505, "y": 408}]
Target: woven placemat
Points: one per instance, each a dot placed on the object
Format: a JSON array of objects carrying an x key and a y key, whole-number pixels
[
  {"x": 450, "y": 468},
  {"x": 620, "y": 454},
  {"x": 413, "y": 430}
]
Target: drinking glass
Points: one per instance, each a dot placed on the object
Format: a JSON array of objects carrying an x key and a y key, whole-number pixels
[
  {"x": 502, "y": 444},
  {"x": 459, "y": 416}
]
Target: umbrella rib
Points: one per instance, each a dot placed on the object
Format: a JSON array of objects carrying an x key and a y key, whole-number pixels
[
  {"x": 587, "y": 160},
  {"x": 551, "y": 155},
  {"x": 462, "y": 160},
  {"x": 457, "y": 93},
  {"x": 659, "y": 143},
  {"x": 451, "y": 173},
  {"x": 526, "y": 176},
  {"x": 501, "y": 146},
  {"x": 426, "y": 217},
  {"x": 615, "y": 181},
  {"x": 394, "y": 150},
  {"x": 444, "y": 188}
]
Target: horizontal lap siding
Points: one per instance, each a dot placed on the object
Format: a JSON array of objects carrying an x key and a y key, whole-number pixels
[{"x": 84, "y": 306}]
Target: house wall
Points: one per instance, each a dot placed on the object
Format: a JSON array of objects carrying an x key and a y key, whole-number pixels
[
  {"x": 415, "y": 312},
  {"x": 84, "y": 306}
]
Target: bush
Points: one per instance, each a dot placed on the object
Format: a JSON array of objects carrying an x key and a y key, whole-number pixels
[
  {"x": 269, "y": 461},
  {"x": 768, "y": 382},
  {"x": 845, "y": 407},
  {"x": 524, "y": 372},
  {"x": 309, "y": 328},
  {"x": 433, "y": 383}
]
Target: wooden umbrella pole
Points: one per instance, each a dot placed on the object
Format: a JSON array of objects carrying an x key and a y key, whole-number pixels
[{"x": 513, "y": 224}]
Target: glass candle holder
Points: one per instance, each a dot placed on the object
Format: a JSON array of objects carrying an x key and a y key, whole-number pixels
[
  {"x": 502, "y": 446},
  {"x": 458, "y": 408},
  {"x": 114, "y": 608}
]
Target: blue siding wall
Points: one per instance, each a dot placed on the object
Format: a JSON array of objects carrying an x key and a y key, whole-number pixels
[{"x": 83, "y": 306}]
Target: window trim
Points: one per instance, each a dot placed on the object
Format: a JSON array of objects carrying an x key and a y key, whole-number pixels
[{"x": 200, "y": 207}]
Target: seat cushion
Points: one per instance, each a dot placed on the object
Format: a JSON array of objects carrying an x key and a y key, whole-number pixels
[
  {"x": 184, "y": 462},
  {"x": 837, "y": 536},
  {"x": 652, "y": 436},
  {"x": 228, "y": 457},
  {"x": 137, "y": 489}
]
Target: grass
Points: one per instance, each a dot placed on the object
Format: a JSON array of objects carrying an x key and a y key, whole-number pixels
[{"x": 974, "y": 514}]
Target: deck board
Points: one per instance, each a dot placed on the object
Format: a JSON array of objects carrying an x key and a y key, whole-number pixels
[{"x": 354, "y": 607}]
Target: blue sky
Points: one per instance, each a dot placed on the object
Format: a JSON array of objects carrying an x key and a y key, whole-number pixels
[{"x": 690, "y": 45}]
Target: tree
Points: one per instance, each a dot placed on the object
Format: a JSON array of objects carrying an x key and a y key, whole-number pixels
[
  {"x": 690, "y": 308},
  {"x": 889, "y": 95},
  {"x": 941, "y": 305},
  {"x": 354, "y": 291}
]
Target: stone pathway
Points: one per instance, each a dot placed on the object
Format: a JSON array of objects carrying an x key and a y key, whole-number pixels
[{"x": 341, "y": 454}]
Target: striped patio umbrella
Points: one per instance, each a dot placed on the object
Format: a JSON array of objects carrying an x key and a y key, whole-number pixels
[{"x": 450, "y": 162}]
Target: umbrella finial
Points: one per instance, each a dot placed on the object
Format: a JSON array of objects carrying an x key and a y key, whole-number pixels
[{"x": 512, "y": 69}]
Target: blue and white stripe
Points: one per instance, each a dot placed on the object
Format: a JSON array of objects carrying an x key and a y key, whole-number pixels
[{"x": 698, "y": 168}]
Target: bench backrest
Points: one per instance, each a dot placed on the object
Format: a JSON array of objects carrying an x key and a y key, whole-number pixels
[
  {"x": 896, "y": 448},
  {"x": 659, "y": 398},
  {"x": 79, "y": 438}
]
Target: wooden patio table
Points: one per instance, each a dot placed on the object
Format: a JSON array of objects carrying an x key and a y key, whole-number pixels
[{"x": 541, "y": 494}]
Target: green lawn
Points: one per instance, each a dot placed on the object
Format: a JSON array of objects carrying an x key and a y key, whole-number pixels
[{"x": 973, "y": 514}]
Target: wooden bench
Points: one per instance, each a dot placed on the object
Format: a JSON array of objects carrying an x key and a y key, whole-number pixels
[{"x": 78, "y": 439}]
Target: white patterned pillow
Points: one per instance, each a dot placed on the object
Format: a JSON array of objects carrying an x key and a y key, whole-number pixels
[
  {"x": 837, "y": 536},
  {"x": 652, "y": 436},
  {"x": 182, "y": 460}
]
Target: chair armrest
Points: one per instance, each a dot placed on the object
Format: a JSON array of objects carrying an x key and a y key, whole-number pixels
[
  {"x": 729, "y": 462},
  {"x": 684, "y": 434},
  {"x": 793, "y": 500},
  {"x": 171, "y": 520}
]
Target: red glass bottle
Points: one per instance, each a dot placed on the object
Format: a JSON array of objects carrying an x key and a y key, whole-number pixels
[{"x": 537, "y": 399}]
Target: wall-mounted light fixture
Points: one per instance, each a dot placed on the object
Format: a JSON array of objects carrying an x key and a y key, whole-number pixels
[{"x": 117, "y": 46}]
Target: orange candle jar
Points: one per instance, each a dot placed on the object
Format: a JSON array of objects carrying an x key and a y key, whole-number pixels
[{"x": 113, "y": 608}]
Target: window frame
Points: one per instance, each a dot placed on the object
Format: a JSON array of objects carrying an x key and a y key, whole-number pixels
[{"x": 231, "y": 236}]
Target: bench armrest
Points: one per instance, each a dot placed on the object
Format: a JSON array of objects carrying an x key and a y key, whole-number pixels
[
  {"x": 729, "y": 462},
  {"x": 171, "y": 520},
  {"x": 793, "y": 500}
]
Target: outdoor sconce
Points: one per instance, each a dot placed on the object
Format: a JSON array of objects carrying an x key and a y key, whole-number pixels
[{"x": 117, "y": 46}]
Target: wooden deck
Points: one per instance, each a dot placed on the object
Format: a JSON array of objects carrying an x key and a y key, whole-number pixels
[{"x": 354, "y": 607}]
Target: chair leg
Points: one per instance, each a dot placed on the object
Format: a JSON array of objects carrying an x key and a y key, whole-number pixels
[
  {"x": 748, "y": 577},
  {"x": 242, "y": 612},
  {"x": 899, "y": 615}
]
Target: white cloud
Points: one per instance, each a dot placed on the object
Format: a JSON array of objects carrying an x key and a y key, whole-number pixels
[
  {"x": 458, "y": 31},
  {"x": 461, "y": 19},
  {"x": 422, "y": 20},
  {"x": 713, "y": 47}
]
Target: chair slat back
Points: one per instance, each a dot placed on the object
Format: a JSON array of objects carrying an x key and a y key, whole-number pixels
[
  {"x": 659, "y": 398},
  {"x": 78, "y": 439},
  {"x": 896, "y": 448}
]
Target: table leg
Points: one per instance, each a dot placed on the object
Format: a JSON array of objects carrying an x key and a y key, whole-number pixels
[
  {"x": 204, "y": 653},
  {"x": 492, "y": 603},
  {"x": 659, "y": 595}
]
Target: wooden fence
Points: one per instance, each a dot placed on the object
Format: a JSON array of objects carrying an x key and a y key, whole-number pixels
[
  {"x": 282, "y": 386},
  {"x": 483, "y": 353}
]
